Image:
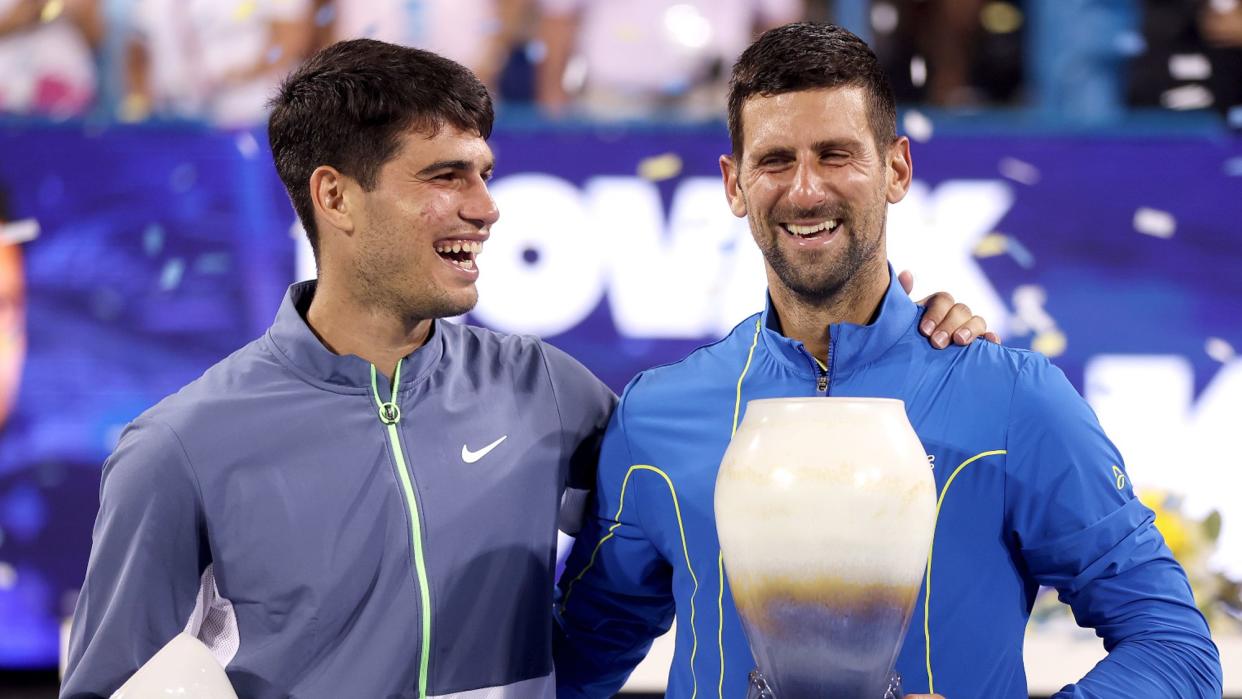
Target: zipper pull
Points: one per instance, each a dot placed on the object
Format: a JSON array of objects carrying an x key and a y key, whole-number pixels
[
  {"x": 821, "y": 384},
  {"x": 389, "y": 411}
]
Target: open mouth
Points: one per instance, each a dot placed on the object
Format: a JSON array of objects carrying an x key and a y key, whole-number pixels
[
  {"x": 459, "y": 253},
  {"x": 812, "y": 231}
]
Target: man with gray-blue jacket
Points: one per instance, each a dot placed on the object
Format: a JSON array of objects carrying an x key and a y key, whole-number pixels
[{"x": 363, "y": 502}]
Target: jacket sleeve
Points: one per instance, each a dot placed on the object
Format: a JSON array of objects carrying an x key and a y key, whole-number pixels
[
  {"x": 584, "y": 404},
  {"x": 616, "y": 593},
  {"x": 1081, "y": 530},
  {"x": 147, "y": 554}
]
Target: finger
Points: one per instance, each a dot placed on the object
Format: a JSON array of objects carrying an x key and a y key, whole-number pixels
[
  {"x": 956, "y": 327},
  {"x": 936, "y": 308},
  {"x": 973, "y": 328},
  {"x": 906, "y": 279},
  {"x": 992, "y": 337}
]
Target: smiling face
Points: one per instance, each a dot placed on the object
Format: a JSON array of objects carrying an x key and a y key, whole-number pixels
[
  {"x": 815, "y": 188},
  {"x": 417, "y": 233}
]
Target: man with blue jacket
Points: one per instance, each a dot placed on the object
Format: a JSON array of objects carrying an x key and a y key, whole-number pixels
[
  {"x": 364, "y": 502},
  {"x": 1031, "y": 491}
]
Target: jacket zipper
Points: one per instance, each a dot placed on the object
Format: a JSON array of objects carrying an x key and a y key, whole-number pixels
[
  {"x": 390, "y": 415},
  {"x": 821, "y": 371}
]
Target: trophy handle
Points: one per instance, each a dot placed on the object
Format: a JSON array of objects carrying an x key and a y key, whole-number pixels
[{"x": 760, "y": 689}]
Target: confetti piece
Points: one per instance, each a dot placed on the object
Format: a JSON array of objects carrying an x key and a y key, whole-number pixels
[
  {"x": 1189, "y": 66},
  {"x": 884, "y": 17},
  {"x": 1030, "y": 316},
  {"x": 325, "y": 15},
  {"x": 52, "y": 10},
  {"x": 1, "y": 537},
  {"x": 213, "y": 263},
  {"x": 274, "y": 54},
  {"x": 992, "y": 245},
  {"x": 1154, "y": 222},
  {"x": 1020, "y": 254},
  {"x": 918, "y": 71},
  {"x": 1219, "y": 349},
  {"x": 247, "y": 145},
  {"x": 1233, "y": 167},
  {"x": 8, "y": 576},
  {"x": 1018, "y": 171},
  {"x": 1187, "y": 97},
  {"x": 1234, "y": 116},
  {"x": 1050, "y": 343},
  {"x": 183, "y": 178},
  {"x": 17, "y": 232},
  {"x": 170, "y": 276},
  {"x": 917, "y": 126},
  {"x": 153, "y": 239},
  {"x": 660, "y": 167},
  {"x": 244, "y": 10}
]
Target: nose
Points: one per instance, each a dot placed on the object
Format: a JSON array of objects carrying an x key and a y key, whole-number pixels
[
  {"x": 479, "y": 207},
  {"x": 809, "y": 188}
]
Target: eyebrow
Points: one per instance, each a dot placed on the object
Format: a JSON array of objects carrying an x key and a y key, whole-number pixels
[{"x": 455, "y": 165}]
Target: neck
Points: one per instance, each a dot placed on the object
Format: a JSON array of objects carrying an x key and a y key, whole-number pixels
[
  {"x": 346, "y": 325},
  {"x": 808, "y": 320}
]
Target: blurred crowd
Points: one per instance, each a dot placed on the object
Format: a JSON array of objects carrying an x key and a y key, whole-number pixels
[{"x": 218, "y": 60}]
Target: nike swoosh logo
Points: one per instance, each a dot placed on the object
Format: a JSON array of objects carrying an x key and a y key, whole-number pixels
[{"x": 473, "y": 456}]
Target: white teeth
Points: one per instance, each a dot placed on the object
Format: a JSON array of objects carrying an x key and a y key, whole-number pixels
[
  {"x": 456, "y": 246},
  {"x": 469, "y": 246},
  {"x": 467, "y": 264},
  {"x": 811, "y": 230}
]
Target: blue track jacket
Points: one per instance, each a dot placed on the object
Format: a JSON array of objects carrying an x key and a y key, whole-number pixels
[{"x": 1032, "y": 493}]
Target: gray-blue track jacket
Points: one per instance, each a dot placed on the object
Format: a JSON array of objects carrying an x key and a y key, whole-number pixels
[{"x": 328, "y": 539}]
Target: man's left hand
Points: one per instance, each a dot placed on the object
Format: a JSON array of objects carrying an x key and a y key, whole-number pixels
[{"x": 945, "y": 319}]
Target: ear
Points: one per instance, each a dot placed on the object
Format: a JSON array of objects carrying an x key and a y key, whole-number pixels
[
  {"x": 328, "y": 195},
  {"x": 900, "y": 169},
  {"x": 729, "y": 172}
]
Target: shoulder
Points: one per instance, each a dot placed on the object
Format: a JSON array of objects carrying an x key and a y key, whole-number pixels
[
  {"x": 246, "y": 373},
  {"x": 709, "y": 369}
]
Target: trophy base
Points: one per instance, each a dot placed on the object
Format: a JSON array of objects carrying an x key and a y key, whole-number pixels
[{"x": 760, "y": 689}]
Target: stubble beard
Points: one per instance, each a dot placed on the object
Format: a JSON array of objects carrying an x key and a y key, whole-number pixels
[
  {"x": 388, "y": 281},
  {"x": 831, "y": 282}
]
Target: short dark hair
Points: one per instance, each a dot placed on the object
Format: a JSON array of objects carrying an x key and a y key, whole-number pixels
[
  {"x": 349, "y": 105},
  {"x": 807, "y": 56}
]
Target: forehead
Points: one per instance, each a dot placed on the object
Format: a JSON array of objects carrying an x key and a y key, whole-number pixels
[
  {"x": 794, "y": 119},
  {"x": 421, "y": 147}
]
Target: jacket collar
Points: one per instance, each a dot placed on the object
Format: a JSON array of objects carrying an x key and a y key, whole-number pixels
[
  {"x": 852, "y": 346},
  {"x": 299, "y": 348}
]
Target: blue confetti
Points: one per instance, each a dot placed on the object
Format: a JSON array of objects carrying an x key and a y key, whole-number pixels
[
  {"x": 1019, "y": 253},
  {"x": 213, "y": 263},
  {"x": 183, "y": 177},
  {"x": 274, "y": 53},
  {"x": 153, "y": 239},
  {"x": 325, "y": 15},
  {"x": 1233, "y": 167},
  {"x": 170, "y": 276},
  {"x": 24, "y": 513}
]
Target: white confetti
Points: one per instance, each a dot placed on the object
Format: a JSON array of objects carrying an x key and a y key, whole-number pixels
[
  {"x": 8, "y": 576},
  {"x": 23, "y": 231},
  {"x": 1233, "y": 166},
  {"x": 1219, "y": 349},
  {"x": 884, "y": 17},
  {"x": 1154, "y": 222},
  {"x": 918, "y": 71},
  {"x": 1189, "y": 66},
  {"x": 918, "y": 126},
  {"x": 246, "y": 145},
  {"x": 1019, "y": 171},
  {"x": 1187, "y": 97}
]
